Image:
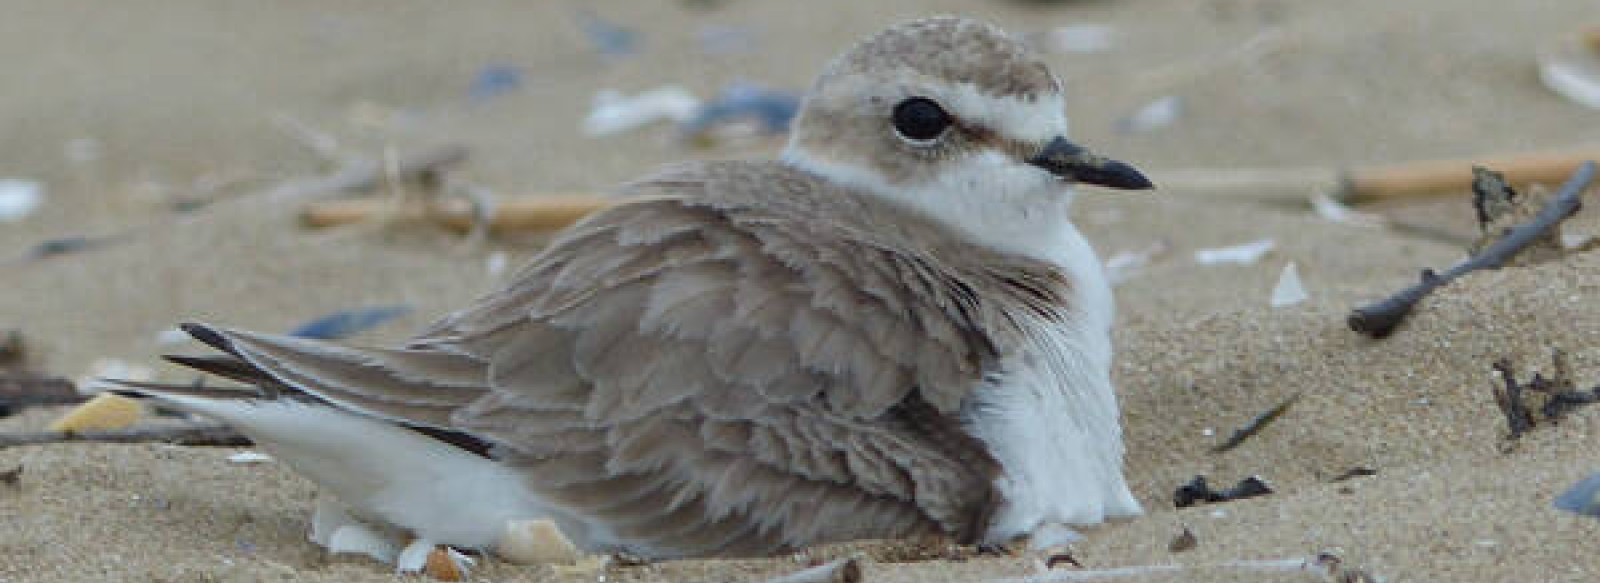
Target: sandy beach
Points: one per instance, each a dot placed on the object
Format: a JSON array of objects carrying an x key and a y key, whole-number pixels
[{"x": 122, "y": 110}]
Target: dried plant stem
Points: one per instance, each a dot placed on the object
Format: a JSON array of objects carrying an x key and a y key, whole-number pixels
[
  {"x": 199, "y": 435},
  {"x": 1379, "y": 319}
]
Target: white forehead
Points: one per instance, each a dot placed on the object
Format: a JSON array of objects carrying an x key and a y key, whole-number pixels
[{"x": 1033, "y": 118}]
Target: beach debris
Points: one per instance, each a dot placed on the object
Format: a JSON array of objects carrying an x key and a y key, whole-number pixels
[
  {"x": 1352, "y": 473},
  {"x": 249, "y": 458},
  {"x": 1255, "y": 425},
  {"x": 1082, "y": 39},
  {"x": 1243, "y": 254},
  {"x": 1558, "y": 395},
  {"x": 494, "y": 80},
  {"x": 82, "y": 151},
  {"x": 536, "y": 542},
  {"x": 1333, "y": 210},
  {"x": 720, "y": 39},
  {"x": 1379, "y": 319},
  {"x": 345, "y": 323},
  {"x": 742, "y": 109},
  {"x": 172, "y": 336},
  {"x": 844, "y": 570},
  {"x": 12, "y": 349},
  {"x": 1123, "y": 265},
  {"x": 608, "y": 38},
  {"x": 12, "y": 477},
  {"x": 64, "y": 245},
  {"x": 496, "y": 263},
  {"x": 1582, "y": 498},
  {"x": 1331, "y": 563},
  {"x": 1362, "y": 184},
  {"x": 612, "y": 112},
  {"x": 195, "y": 434},
  {"x": 1570, "y": 66},
  {"x": 1500, "y": 208},
  {"x": 424, "y": 165},
  {"x": 1288, "y": 291},
  {"x": 533, "y": 213},
  {"x": 1184, "y": 541},
  {"x": 1157, "y": 114},
  {"x": 445, "y": 563},
  {"x": 1314, "y": 568},
  {"x": 1063, "y": 557},
  {"x": 1198, "y": 491},
  {"x": 103, "y": 412},
  {"x": 19, "y": 391},
  {"x": 19, "y": 198}
]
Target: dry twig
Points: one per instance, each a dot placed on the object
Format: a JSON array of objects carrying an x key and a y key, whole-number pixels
[
  {"x": 1559, "y": 392},
  {"x": 1379, "y": 319},
  {"x": 194, "y": 435},
  {"x": 20, "y": 391},
  {"x": 1256, "y": 425},
  {"x": 1198, "y": 491}
]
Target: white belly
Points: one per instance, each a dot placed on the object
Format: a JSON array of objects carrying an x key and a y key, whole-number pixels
[{"x": 1051, "y": 417}]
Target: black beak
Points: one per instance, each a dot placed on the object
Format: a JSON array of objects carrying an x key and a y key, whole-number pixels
[{"x": 1073, "y": 163}]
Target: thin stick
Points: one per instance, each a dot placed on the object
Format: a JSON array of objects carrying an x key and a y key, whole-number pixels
[
  {"x": 521, "y": 213},
  {"x": 1309, "y": 566},
  {"x": 19, "y": 391},
  {"x": 1256, "y": 425},
  {"x": 367, "y": 174},
  {"x": 197, "y": 435},
  {"x": 1379, "y": 319},
  {"x": 1373, "y": 182}
]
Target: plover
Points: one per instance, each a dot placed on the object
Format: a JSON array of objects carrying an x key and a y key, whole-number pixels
[{"x": 894, "y": 330}]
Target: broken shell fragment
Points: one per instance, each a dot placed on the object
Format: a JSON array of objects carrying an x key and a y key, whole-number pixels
[
  {"x": 447, "y": 564},
  {"x": 530, "y": 542},
  {"x": 103, "y": 412}
]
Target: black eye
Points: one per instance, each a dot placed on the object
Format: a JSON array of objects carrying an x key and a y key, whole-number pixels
[{"x": 920, "y": 119}]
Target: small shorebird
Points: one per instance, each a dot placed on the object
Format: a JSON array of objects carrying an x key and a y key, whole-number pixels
[{"x": 894, "y": 330}]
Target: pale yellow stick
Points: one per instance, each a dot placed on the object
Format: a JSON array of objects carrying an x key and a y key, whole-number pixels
[{"x": 523, "y": 213}]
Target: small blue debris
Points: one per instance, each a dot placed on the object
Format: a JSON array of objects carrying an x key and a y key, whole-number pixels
[
  {"x": 770, "y": 108},
  {"x": 348, "y": 322},
  {"x": 610, "y": 39},
  {"x": 1582, "y": 498},
  {"x": 494, "y": 80},
  {"x": 724, "y": 40}
]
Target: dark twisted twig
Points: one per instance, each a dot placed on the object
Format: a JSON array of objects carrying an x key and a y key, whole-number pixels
[
  {"x": 208, "y": 435},
  {"x": 1379, "y": 319},
  {"x": 20, "y": 391}
]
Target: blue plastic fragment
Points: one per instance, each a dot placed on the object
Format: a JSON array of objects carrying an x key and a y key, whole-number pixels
[
  {"x": 610, "y": 39},
  {"x": 348, "y": 322},
  {"x": 495, "y": 79},
  {"x": 771, "y": 108},
  {"x": 726, "y": 40},
  {"x": 1582, "y": 498}
]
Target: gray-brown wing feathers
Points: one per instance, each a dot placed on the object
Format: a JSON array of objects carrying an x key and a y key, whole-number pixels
[{"x": 739, "y": 364}]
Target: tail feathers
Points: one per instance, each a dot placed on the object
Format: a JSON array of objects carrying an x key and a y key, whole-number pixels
[
  {"x": 231, "y": 368},
  {"x": 222, "y": 404},
  {"x": 414, "y": 387},
  {"x": 242, "y": 408}
]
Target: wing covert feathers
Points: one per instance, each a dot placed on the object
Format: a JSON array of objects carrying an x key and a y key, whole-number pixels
[{"x": 739, "y": 361}]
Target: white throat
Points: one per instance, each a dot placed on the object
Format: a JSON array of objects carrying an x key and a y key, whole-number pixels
[{"x": 990, "y": 198}]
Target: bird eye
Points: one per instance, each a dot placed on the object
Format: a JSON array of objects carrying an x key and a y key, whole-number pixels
[{"x": 919, "y": 119}]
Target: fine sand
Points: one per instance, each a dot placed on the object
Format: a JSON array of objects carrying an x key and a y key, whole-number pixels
[{"x": 179, "y": 99}]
